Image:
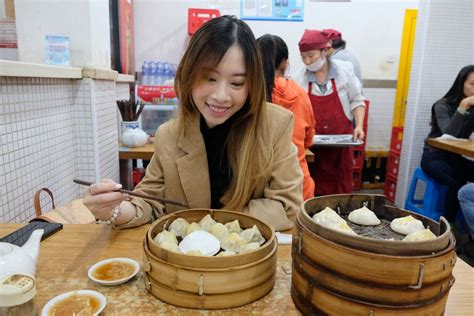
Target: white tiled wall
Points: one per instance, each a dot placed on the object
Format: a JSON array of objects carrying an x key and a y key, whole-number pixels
[
  {"x": 47, "y": 140},
  {"x": 443, "y": 45},
  {"x": 379, "y": 127}
]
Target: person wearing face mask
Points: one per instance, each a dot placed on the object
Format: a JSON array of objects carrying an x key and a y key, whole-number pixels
[
  {"x": 336, "y": 99},
  {"x": 338, "y": 51}
]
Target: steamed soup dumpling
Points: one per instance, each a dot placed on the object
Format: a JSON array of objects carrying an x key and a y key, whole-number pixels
[
  {"x": 226, "y": 253},
  {"x": 364, "y": 216},
  {"x": 253, "y": 235},
  {"x": 166, "y": 236},
  {"x": 406, "y": 225},
  {"x": 420, "y": 235},
  {"x": 170, "y": 246},
  {"x": 206, "y": 222},
  {"x": 179, "y": 226},
  {"x": 219, "y": 231},
  {"x": 234, "y": 227},
  {"x": 196, "y": 252},
  {"x": 327, "y": 217},
  {"x": 343, "y": 227},
  {"x": 249, "y": 247},
  {"x": 192, "y": 228},
  {"x": 233, "y": 242}
]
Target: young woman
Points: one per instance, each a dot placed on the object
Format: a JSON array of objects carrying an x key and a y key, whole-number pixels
[
  {"x": 288, "y": 94},
  {"x": 227, "y": 148},
  {"x": 454, "y": 115},
  {"x": 336, "y": 99}
]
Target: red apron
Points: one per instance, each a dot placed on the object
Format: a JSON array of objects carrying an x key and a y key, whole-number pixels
[{"x": 332, "y": 167}]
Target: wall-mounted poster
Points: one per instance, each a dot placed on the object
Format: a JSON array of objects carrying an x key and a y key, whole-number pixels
[
  {"x": 272, "y": 10},
  {"x": 57, "y": 51}
]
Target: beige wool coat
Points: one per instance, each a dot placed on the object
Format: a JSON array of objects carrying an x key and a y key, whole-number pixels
[{"x": 179, "y": 171}]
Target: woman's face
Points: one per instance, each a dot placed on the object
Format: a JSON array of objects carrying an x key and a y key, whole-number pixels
[
  {"x": 312, "y": 56},
  {"x": 469, "y": 85},
  {"x": 223, "y": 91}
]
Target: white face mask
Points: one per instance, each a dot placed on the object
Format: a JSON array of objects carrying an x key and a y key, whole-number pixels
[{"x": 318, "y": 64}]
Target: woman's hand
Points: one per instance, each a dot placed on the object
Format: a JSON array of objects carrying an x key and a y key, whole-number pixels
[
  {"x": 358, "y": 133},
  {"x": 101, "y": 198},
  {"x": 467, "y": 103}
]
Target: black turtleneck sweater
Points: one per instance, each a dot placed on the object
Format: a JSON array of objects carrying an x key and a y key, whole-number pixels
[{"x": 217, "y": 159}]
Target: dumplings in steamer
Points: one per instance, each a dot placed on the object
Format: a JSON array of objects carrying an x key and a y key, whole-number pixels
[
  {"x": 327, "y": 217},
  {"x": 233, "y": 242},
  {"x": 420, "y": 235},
  {"x": 406, "y": 225},
  {"x": 364, "y": 216},
  {"x": 166, "y": 236},
  {"x": 219, "y": 231},
  {"x": 253, "y": 235},
  {"x": 179, "y": 226},
  {"x": 206, "y": 222}
]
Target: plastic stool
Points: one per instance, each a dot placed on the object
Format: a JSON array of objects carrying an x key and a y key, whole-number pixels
[{"x": 432, "y": 204}]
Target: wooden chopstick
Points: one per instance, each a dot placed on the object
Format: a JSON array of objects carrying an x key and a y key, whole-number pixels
[{"x": 141, "y": 195}]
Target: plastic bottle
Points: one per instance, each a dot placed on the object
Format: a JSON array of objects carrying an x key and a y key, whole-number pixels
[
  {"x": 168, "y": 76},
  {"x": 159, "y": 73},
  {"x": 153, "y": 73},
  {"x": 145, "y": 73}
]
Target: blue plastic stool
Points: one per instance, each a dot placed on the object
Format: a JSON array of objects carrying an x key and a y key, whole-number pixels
[{"x": 432, "y": 204}]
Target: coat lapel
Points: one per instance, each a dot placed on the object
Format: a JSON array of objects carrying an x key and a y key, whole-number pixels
[{"x": 192, "y": 167}]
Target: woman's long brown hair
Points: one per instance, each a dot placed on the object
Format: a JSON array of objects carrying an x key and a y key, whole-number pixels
[{"x": 249, "y": 144}]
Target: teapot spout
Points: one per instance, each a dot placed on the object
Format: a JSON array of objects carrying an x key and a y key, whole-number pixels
[{"x": 32, "y": 246}]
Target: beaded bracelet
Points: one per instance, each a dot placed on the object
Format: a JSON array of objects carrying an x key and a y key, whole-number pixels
[{"x": 112, "y": 218}]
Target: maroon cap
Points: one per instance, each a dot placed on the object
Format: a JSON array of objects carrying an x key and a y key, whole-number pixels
[
  {"x": 312, "y": 40},
  {"x": 333, "y": 34}
]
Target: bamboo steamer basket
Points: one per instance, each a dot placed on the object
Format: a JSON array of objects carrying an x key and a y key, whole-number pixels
[
  {"x": 210, "y": 282},
  {"x": 330, "y": 276}
]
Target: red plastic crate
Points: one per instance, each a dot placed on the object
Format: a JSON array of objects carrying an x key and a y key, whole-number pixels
[
  {"x": 197, "y": 17},
  {"x": 397, "y": 138},
  {"x": 356, "y": 178},
  {"x": 390, "y": 188},
  {"x": 137, "y": 174},
  {"x": 359, "y": 156},
  {"x": 393, "y": 164}
]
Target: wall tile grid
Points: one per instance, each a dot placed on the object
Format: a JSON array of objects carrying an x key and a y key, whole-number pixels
[
  {"x": 37, "y": 143},
  {"x": 443, "y": 45},
  {"x": 47, "y": 139},
  {"x": 106, "y": 111},
  {"x": 381, "y": 106}
]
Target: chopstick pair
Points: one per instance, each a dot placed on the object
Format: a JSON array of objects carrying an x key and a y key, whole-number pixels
[{"x": 141, "y": 195}]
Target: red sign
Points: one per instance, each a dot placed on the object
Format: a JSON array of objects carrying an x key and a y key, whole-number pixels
[{"x": 127, "y": 45}]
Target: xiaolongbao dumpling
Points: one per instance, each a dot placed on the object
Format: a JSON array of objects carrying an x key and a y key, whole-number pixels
[
  {"x": 253, "y": 235},
  {"x": 192, "y": 228},
  {"x": 364, "y": 216},
  {"x": 170, "y": 246},
  {"x": 420, "y": 235},
  {"x": 179, "y": 226},
  {"x": 343, "y": 227},
  {"x": 234, "y": 227},
  {"x": 219, "y": 231},
  {"x": 249, "y": 247},
  {"x": 233, "y": 242},
  {"x": 166, "y": 236},
  {"x": 226, "y": 253},
  {"x": 327, "y": 217},
  {"x": 196, "y": 252},
  {"x": 206, "y": 222},
  {"x": 406, "y": 225}
]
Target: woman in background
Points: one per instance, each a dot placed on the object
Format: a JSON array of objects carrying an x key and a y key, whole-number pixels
[
  {"x": 454, "y": 115},
  {"x": 288, "y": 94},
  {"x": 336, "y": 99},
  {"x": 227, "y": 148}
]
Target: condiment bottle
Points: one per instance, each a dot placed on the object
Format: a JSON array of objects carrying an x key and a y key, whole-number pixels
[{"x": 17, "y": 295}]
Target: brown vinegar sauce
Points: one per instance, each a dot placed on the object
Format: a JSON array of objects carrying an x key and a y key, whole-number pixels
[
  {"x": 114, "y": 270},
  {"x": 75, "y": 304}
]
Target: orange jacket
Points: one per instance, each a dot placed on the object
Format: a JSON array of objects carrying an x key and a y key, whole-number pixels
[{"x": 291, "y": 96}]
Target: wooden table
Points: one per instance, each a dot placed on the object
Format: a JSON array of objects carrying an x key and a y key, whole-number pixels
[
  {"x": 146, "y": 152},
  {"x": 462, "y": 147},
  {"x": 66, "y": 256}
]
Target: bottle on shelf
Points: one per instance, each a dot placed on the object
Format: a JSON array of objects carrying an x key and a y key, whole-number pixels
[{"x": 145, "y": 73}]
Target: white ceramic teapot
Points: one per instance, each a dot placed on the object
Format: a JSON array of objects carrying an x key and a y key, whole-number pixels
[{"x": 14, "y": 259}]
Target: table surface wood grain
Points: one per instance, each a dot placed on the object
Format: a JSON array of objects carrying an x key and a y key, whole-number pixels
[
  {"x": 66, "y": 256},
  {"x": 462, "y": 147}
]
